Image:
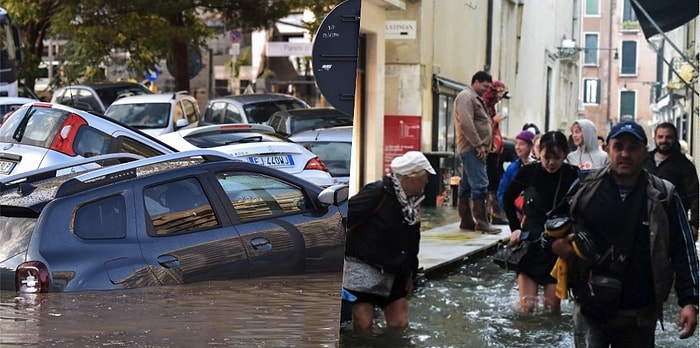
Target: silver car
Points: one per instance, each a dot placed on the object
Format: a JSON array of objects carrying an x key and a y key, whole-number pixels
[
  {"x": 333, "y": 146},
  {"x": 40, "y": 135},
  {"x": 248, "y": 108}
]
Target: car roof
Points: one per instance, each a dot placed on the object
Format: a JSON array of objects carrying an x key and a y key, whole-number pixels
[
  {"x": 16, "y": 100},
  {"x": 312, "y": 112},
  {"x": 151, "y": 98},
  {"x": 255, "y": 98},
  {"x": 102, "y": 85},
  {"x": 36, "y": 188}
]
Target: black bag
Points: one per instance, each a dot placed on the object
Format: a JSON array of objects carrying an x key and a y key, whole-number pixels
[
  {"x": 509, "y": 257},
  {"x": 599, "y": 296}
]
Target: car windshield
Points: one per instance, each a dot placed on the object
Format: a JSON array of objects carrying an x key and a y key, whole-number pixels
[
  {"x": 110, "y": 94},
  {"x": 260, "y": 112},
  {"x": 33, "y": 126},
  {"x": 141, "y": 115},
  {"x": 15, "y": 233},
  {"x": 214, "y": 139},
  {"x": 335, "y": 155}
]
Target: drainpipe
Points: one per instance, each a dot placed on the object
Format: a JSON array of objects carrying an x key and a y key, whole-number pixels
[
  {"x": 489, "y": 35},
  {"x": 610, "y": 35}
]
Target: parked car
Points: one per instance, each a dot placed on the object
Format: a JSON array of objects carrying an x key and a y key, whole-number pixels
[
  {"x": 96, "y": 97},
  {"x": 10, "y": 104},
  {"x": 156, "y": 114},
  {"x": 333, "y": 146},
  {"x": 288, "y": 122},
  {"x": 42, "y": 134},
  {"x": 167, "y": 220},
  {"x": 254, "y": 143},
  {"x": 248, "y": 108}
]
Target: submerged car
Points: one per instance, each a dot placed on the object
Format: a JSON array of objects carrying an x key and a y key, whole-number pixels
[
  {"x": 39, "y": 135},
  {"x": 166, "y": 220},
  {"x": 333, "y": 146},
  {"x": 156, "y": 114},
  {"x": 254, "y": 143}
]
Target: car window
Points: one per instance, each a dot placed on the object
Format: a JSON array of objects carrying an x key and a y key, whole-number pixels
[
  {"x": 256, "y": 196},
  {"x": 102, "y": 219},
  {"x": 141, "y": 115},
  {"x": 91, "y": 142},
  {"x": 130, "y": 145},
  {"x": 42, "y": 126},
  {"x": 276, "y": 123},
  {"x": 178, "y": 113},
  {"x": 190, "y": 111},
  {"x": 261, "y": 112},
  {"x": 15, "y": 233},
  {"x": 335, "y": 155},
  {"x": 306, "y": 123},
  {"x": 178, "y": 207}
]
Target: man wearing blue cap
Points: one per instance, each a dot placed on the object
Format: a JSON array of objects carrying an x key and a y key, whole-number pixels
[{"x": 630, "y": 241}]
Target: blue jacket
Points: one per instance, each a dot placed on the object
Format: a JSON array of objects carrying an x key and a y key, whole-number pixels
[{"x": 506, "y": 179}]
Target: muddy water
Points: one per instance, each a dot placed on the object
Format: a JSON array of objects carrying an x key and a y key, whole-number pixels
[{"x": 299, "y": 311}]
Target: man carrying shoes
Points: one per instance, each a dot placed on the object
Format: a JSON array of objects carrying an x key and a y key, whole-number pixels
[{"x": 630, "y": 242}]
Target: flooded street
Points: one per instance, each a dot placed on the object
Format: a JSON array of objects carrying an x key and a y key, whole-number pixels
[{"x": 296, "y": 311}]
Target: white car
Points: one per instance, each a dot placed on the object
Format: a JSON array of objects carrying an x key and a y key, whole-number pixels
[
  {"x": 254, "y": 143},
  {"x": 156, "y": 114}
]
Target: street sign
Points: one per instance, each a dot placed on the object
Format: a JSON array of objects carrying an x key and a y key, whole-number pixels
[
  {"x": 152, "y": 74},
  {"x": 286, "y": 49},
  {"x": 234, "y": 36},
  {"x": 235, "y": 49},
  {"x": 194, "y": 66},
  {"x": 334, "y": 55}
]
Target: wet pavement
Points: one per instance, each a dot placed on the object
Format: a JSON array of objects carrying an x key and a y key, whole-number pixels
[{"x": 443, "y": 244}]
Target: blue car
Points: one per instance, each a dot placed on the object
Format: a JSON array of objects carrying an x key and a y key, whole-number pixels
[{"x": 172, "y": 219}]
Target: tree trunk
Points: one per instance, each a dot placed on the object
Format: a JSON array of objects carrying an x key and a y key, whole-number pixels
[{"x": 181, "y": 63}]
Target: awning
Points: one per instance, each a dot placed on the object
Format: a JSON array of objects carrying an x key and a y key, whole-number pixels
[
  {"x": 666, "y": 14},
  {"x": 443, "y": 85}
]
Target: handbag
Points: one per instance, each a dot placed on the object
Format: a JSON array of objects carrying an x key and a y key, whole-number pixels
[
  {"x": 362, "y": 277},
  {"x": 509, "y": 257}
]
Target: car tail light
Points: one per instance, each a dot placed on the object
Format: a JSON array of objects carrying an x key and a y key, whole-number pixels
[
  {"x": 315, "y": 163},
  {"x": 63, "y": 141},
  {"x": 32, "y": 277}
]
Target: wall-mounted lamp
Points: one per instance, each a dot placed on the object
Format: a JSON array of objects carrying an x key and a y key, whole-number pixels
[{"x": 568, "y": 48}]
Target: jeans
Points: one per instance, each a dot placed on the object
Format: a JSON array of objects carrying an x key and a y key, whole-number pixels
[
  {"x": 474, "y": 181},
  {"x": 626, "y": 329}
]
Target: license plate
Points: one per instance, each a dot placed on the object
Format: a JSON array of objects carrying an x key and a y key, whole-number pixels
[
  {"x": 273, "y": 161},
  {"x": 6, "y": 166}
]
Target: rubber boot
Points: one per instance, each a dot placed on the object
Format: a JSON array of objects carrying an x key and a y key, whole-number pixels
[
  {"x": 465, "y": 214},
  {"x": 496, "y": 215},
  {"x": 480, "y": 213}
]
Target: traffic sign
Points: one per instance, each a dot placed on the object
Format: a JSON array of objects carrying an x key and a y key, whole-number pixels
[
  {"x": 152, "y": 74},
  {"x": 234, "y": 36}
]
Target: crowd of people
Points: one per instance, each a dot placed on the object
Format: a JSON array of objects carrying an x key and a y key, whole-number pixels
[{"x": 628, "y": 222}]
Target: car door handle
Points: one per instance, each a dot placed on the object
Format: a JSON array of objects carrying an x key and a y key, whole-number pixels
[
  {"x": 168, "y": 261},
  {"x": 261, "y": 244}
]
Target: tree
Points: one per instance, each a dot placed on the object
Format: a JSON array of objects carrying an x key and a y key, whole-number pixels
[{"x": 138, "y": 33}]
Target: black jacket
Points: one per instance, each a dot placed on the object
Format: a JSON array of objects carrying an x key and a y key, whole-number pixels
[
  {"x": 383, "y": 238},
  {"x": 681, "y": 173}
]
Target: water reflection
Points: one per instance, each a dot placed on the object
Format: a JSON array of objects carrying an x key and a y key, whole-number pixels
[
  {"x": 474, "y": 306},
  {"x": 266, "y": 312}
]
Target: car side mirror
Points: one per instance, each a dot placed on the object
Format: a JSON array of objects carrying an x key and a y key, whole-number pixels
[
  {"x": 334, "y": 194},
  {"x": 181, "y": 123}
]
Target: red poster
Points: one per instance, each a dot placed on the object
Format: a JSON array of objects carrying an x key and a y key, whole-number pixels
[{"x": 401, "y": 134}]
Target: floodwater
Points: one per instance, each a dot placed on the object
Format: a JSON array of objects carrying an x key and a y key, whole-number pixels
[
  {"x": 474, "y": 305},
  {"x": 290, "y": 311},
  {"x": 470, "y": 305}
]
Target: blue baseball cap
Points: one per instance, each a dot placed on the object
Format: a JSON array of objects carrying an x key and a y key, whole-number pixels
[{"x": 629, "y": 127}]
